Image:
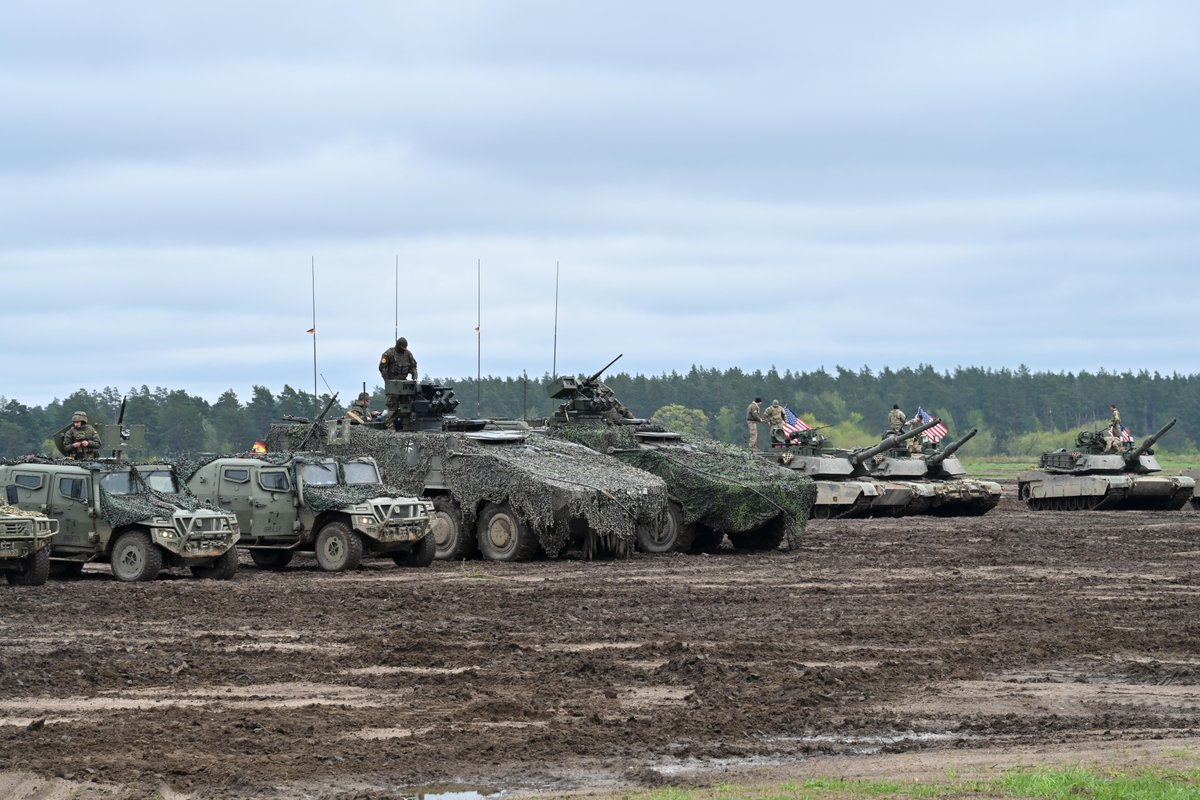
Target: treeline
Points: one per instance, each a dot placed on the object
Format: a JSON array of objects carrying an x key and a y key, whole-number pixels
[{"x": 1018, "y": 412}]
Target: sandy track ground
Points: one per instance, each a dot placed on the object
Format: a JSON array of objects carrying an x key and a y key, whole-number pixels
[{"x": 895, "y": 647}]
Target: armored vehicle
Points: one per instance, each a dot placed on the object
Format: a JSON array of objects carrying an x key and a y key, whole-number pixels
[
  {"x": 136, "y": 516},
  {"x": 1087, "y": 477},
  {"x": 503, "y": 494},
  {"x": 715, "y": 490},
  {"x": 337, "y": 509},
  {"x": 24, "y": 544},
  {"x": 956, "y": 495}
]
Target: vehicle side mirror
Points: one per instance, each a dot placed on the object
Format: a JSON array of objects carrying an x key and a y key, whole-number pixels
[{"x": 10, "y": 494}]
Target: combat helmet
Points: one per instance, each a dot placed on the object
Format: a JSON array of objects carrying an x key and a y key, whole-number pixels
[{"x": 79, "y": 416}]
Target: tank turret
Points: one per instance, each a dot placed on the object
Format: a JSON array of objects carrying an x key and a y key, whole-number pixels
[
  {"x": 862, "y": 455},
  {"x": 936, "y": 459}
]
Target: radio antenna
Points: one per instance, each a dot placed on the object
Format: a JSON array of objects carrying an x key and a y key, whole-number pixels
[
  {"x": 396, "y": 332},
  {"x": 554, "y": 358}
]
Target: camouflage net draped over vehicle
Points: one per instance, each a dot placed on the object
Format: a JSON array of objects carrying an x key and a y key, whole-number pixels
[
  {"x": 720, "y": 486},
  {"x": 547, "y": 483}
]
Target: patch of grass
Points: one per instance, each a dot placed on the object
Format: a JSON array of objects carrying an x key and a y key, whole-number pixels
[
  {"x": 997, "y": 467},
  {"x": 1025, "y": 784}
]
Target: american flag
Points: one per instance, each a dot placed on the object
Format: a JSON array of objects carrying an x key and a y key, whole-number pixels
[
  {"x": 1125, "y": 437},
  {"x": 934, "y": 434},
  {"x": 792, "y": 423}
]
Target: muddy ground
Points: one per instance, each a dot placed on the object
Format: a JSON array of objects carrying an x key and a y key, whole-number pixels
[{"x": 882, "y": 647}]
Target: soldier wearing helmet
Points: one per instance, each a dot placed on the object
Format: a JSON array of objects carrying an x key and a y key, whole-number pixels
[
  {"x": 360, "y": 409},
  {"x": 81, "y": 440},
  {"x": 397, "y": 363}
]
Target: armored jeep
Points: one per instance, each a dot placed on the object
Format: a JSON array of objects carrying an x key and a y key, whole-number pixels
[
  {"x": 336, "y": 509},
  {"x": 24, "y": 545},
  {"x": 135, "y": 516}
]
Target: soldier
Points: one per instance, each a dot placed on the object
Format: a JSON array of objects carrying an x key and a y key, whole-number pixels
[
  {"x": 773, "y": 416},
  {"x": 1112, "y": 437},
  {"x": 753, "y": 417},
  {"x": 397, "y": 363},
  {"x": 81, "y": 440},
  {"x": 360, "y": 410},
  {"x": 896, "y": 419}
]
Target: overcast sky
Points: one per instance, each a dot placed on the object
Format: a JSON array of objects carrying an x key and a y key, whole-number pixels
[{"x": 788, "y": 184}]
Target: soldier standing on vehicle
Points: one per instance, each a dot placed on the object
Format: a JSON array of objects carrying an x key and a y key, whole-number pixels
[
  {"x": 81, "y": 440},
  {"x": 773, "y": 416},
  {"x": 397, "y": 363},
  {"x": 753, "y": 417},
  {"x": 1112, "y": 438},
  {"x": 896, "y": 419}
]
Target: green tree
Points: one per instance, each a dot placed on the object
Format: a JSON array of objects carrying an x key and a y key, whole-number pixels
[{"x": 676, "y": 417}]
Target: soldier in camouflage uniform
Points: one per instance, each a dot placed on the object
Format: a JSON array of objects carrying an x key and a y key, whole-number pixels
[
  {"x": 773, "y": 416},
  {"x": 81, "y": 440},
  {"x": 896, "y": 419},
  {"x": 361, "y": 408},
  {"x": 753, "y": 417},
  {"x": 1112, "y": 437},
  {"x": 397, "y": 363}
]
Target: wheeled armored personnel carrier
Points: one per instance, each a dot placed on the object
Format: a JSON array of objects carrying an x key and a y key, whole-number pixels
[
  {"x": 1087, "y": 477},
  {"x": 715, "y": 490},
  {"x": 24, "y": 544},
  {"x": 503, "y": 494},
  {"x": 337, "y": 509}
]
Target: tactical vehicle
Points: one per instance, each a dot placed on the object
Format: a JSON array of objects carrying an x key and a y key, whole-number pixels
[
  {"x": 337, "y": 509},
  {"x": 134, "y": 515},
  {"x": 1087, "y": 477},
  {"x": 956, "y": 495},
  {"x": 24, "y": 544},
  {"x": 503, "y": 494},
  {"x": 715, "y": 490}
]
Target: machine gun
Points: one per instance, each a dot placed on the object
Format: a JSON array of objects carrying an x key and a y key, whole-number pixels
[
  {"x": 859, "y": 456},
  {"x": 588, "y": 397},
  {"x": 312, "y": 428},
  {"x": 1144, "y": 448},
  {"x": 950, "y": 449}
]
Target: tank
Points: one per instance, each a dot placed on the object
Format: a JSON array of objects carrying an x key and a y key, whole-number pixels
[
  {"x": 1086, "y": 477},
  {"x": 504, "y": 494},
  {"x": 715, "y": 490},
  {"x": 24, "y": 543},
  {"x": 956, "y": 495}
]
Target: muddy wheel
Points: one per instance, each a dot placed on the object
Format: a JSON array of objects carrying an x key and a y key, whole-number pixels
[
  {"x": 338, "y": 548},
  {"x": 37, "y": 569},
  {"x": 67, "y": 570},
  {"x": 821, "y": 512},
  {"x": 670, "y": 535},
  {"x": 706, "y": 540},
  {"x": 421, "y": 555},
  {"x": 135, "y": 557},
  {"x": 222, "y": 568},
  {"x": 504, "y": 537},
  {"x": 452, "y": 543},
  {"x": 271, "y": 559}
]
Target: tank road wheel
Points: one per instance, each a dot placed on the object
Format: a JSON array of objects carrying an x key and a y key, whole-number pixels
[
  {"x": 221, "y": 568},
  {"x": 669, "y": 535},
  {"x": 135, "y": 557},
  {"x": 37, "y": 569},
  {"x": 421, "y": 555},
  {"x": 706, "y": 539},
  {"x": 338, "y": 548},
  {"x": 504, "y": 537},
  {"x": 271, "y": 559},
  {"x": 452, "y": 541}
]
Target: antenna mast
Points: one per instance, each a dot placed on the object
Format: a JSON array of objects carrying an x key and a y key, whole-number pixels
[
  {"x": 554, "y": 358},
  {"x": 478, "y": 335},
  {"x": 396, "y": 332},
  {"x": 313, "y": 267}
]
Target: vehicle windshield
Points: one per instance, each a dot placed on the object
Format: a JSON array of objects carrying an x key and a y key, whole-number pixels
[
  {"x": 320, "y": 473},
  {"x": 117, "y": 483},
  {"x": 160, "y": 480},
  {"x": 361, "y": 472}
]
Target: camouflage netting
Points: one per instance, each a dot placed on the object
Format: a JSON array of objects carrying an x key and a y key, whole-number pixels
[
  {"x": 725, "y": 488},
  {"x": 549, "y": 485}
]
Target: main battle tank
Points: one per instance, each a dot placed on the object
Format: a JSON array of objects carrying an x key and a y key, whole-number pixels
[
  {"x": 715, "y": 490},
  {"x": 956, "y": 495},
  {"x": 1089, "y": 478},
  {"x": 505, "y": 494}
]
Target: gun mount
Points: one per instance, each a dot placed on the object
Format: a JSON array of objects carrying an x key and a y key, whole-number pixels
[
  {"x": 1132, "y": 457},
  {"x": 937, "y": 458},
  {"x": 589, "y": 399},
  {"x": 420, "y": 406},
  {"x": 860, "y": 456}
]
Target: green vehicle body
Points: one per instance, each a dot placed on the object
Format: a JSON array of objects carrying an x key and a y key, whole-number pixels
[
  {"x": 336, "y": 509},
  {"x": 135, "y": 516},
  {"x": 1087, "y": 478},
  {"x": 25, "y": 545}
]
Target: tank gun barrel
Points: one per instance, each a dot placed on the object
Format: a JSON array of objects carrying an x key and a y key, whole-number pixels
[
  {"x": 951, "y": 449},
  {"x": 1148, "y": 442},
  {"x": 596, "y": 376},
  {"x": 860, "y": 456}
]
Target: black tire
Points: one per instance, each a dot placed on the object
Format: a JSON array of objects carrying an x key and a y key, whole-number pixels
[
  {"x": 67, "y": 570},
  {"x": 37, "y": 569},
  {"x": 271, "y": 559},
  {"x": 421, "y": 555},
  {"x": 135, "y": 557},
  {"x": 338, "y": 548},
  {"x": 451, "y": 540},
  {"x": 503, "y": 536},
  {"x": 706, "y": 540},
  {"x": 670, "y": 535},
  {"x": 222, "y": 568}
]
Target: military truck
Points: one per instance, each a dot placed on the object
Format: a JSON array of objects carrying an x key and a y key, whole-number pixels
[
  {"x": 135, "y": 516},
  {"x": 1089, "y": 478},
  {"x": 714, "y": 490},
  {"x": 24, "y": 544},
  {"x": 337, "y": 509},
  {"x": 503, "y": 494}
]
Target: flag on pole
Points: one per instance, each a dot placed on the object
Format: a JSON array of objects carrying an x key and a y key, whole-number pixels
[
  {"x": 792, "y": 423},
  {"x": 1125, "y": 436},
  {"x": 934, "y": 434},
  {"x": 258, "y": 447},
  {"x": 311, "y": 330}
]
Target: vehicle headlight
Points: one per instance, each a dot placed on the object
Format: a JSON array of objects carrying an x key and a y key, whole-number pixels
[{"x": 365, "y": 521}]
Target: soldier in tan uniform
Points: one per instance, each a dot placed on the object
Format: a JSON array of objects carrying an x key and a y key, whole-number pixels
[
  {"x": 81, "y": 440},
  {"x": 896, "y": 419},
  {"x": 753, "y": 417},
  {"x": 1112, "y": 437},
  {"x": 773, "y": 416}
]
